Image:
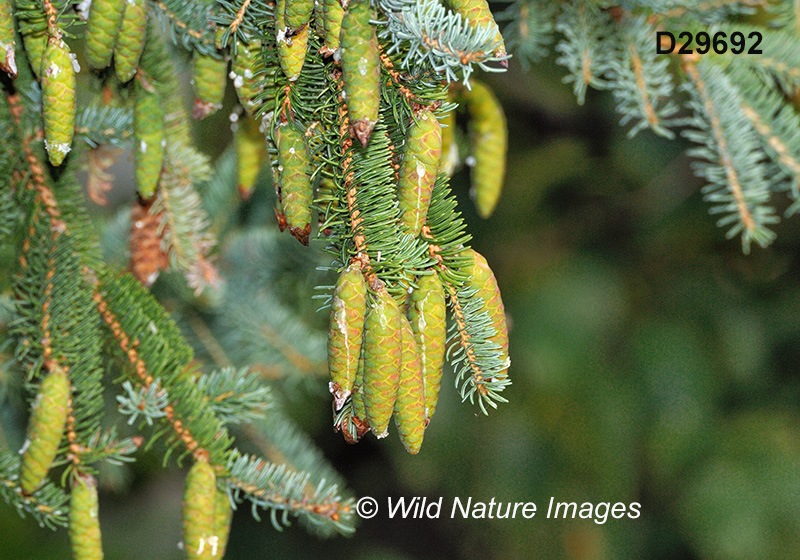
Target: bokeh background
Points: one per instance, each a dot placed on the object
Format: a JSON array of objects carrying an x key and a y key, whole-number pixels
[{"x": 652, "y": 362}]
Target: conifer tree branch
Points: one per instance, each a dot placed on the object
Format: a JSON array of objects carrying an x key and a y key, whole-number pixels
[
  {"x": 731, "y": 173},
  {"x": 48, "y": 505},
  {"x": 280, "y": 489}
]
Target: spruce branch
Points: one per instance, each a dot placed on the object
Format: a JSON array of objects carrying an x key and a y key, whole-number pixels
[
  {"x": 189, "y": 23},
  {"x": 641, "y": 82},
  {"x": 242, "y": 20},
  {"x": 184, "y": 235},
  {"x": 283, "y": 492},
  {"x": 779, "y": 61},
  {"x": 529, "y": 32},
  {"x": 151, "y": 343},
  {"x": 433, "y": 37},
  {"x": 235, "y": 395},
  {"x": 148, "y": 402},
  {"x": 54, "y": 327},
  {"x": 733, "y": 165},
  {"x": 706, "y": 11},
  {"x": 47, "y": 506},
  {"x": 476, "y": 360},
  {"x": 587, "y": 45},
  {"x": 778, "y": 125},
  {"x": 99, "y": 125},
  {"x": 280, "y": 441}
]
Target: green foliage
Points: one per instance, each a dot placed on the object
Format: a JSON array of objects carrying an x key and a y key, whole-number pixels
[
  {"x": 614, "y": 47},
  {"x": 211, "y": 362}
]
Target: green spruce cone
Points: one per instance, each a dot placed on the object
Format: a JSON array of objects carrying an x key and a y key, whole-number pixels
[
  {"x": 421, "y": 155},
  {"x": 488, "y": 138},
  {"x": 200, "y": 541},
  {"x": 292, "y": 42},
  {"x": 150, "y": 141},
  {"x": 428, "y": 317},
  {"x": 359, "y": 409},
  {"x": 209, "y": 82},
  {"x": 35, "y": 45},
  {"x": 478, "y": 13},
  {"x": 361, "y": 69},
  {"x": 102, "y": 30},
  {"x": 409, "y": 408},
  {"x": 482, "y": 279},
  {"x": 297, "y": 13},
  {"x": 251, "y": 153},
  {"x": 84, "y": 524},
  {"x": 332, "y": 12},
  {"x": 449, "y": 159},
  {"x": 223, "y": 514},
  {"x": 58, "y": 100},
  {"x": 294, "y": 181},
  {"x": 130, "y": 42},
  {"x": 319, "y": 18},
  {"x": 246, "y": 66},
  {"x": 8, "y": 61},
  {"x": 382, "y": 360},
  {"x": 45, "y": 429},
  {"x": 348, "y": 311}
]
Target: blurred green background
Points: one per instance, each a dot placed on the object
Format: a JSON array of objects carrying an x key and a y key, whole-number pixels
[{"x": 652, "y": 362}]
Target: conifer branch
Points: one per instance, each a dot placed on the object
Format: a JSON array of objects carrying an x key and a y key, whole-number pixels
[
  {"x": 47, "y": 506},
  {"x": 235, "y": 395},
  {"x": 738, "y": 179},
  {"x": 282, "y": 491},
  {"x": 438, "y": 39},
  {"x": 641, "y": 82},
  {"x": 585, "y": 49},
  {"x": 475, "y": 359},
  {"x": 133, "y": 318},
  {"x": 57, "y": 331},
  {"x": 529, "y": 31},
  {"x": 101, "y": 125}
]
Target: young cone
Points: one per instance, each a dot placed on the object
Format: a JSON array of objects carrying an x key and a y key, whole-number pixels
[
  {"x": 297, "y": 13},
  {"x": 208, "y": 79},
  {"x": 35, "y": 45},
  {"x": 130, "y": 42},
  {"x": 246, "y": 66},
  {"x": 427, "y": 314},
  {"x": 84, "y": 525},
  {"x": 223, "y": 514},
  {"x": 382, "y": 360},
  {"x": 200, "y": 541},
  {"x": 333, "y": 12},
  {"x": 423, "y": 149},
  {"x": 478, "y": 13},
  {"x": 348, "y": 311},
  {"x": 45, "y": 429},
  {"x": 150, "y": 140},
  {"x": 359, "y": 409},
  {"x": 409, "y": 408},
  {"x": 292, "y": 40},
  {"x": 482, "y": 279},
  {"x": 488, "y": 137},
  {"x": 449, "y": 159},
  {"x": 361, "y": 68},
  {"x": 251, "y": 153},
  {"x": 102, "y": 30},
  {"x": 58, "y": 100},
  {"x": 294, "y": 181}
]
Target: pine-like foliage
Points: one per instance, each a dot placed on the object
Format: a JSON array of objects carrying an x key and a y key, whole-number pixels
[
  {"x": 740, "y": 104},
  {"x": 184, "y": 307}
]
